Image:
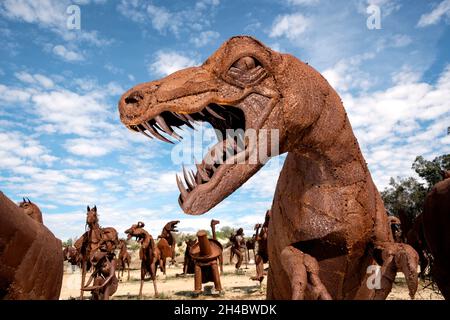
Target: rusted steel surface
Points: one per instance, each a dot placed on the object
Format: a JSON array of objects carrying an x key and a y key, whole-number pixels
[
  {"x": 436, "y": 226},
  {"x": 328, "y": 223},
  {"x": 31, "y": 258},
  {"x": 205, "y": 253},
  {"x": 123, "y": 260},
  {"x": 149, "y": 254}
]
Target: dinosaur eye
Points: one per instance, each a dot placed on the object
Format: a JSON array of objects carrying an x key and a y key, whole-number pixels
[
  {"x": 246, "y": 63},
  {"x": 245, "y": 71}
]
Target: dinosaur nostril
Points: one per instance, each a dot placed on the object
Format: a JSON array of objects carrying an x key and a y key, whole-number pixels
[{"x": 134, "y": 98}]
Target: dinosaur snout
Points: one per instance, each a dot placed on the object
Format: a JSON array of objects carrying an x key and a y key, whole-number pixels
[{"x": 132, "y": 100}]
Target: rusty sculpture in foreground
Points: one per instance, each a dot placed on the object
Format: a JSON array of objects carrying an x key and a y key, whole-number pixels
[
  {"x": 205, "y": 253},
  {"x": 262, "y": 256},
  {"x": 214, "y": 236},
  {"x": 328, "y": 221},
  {"x": 149, "y": 254},
  {"x": 436, "y": 224},
  {"x": 237, "y": 246},
  {"x": 88, "y": 244},
  {"x": 31, "y": 259},
  {"x": 31, "y": 209},
  {"x": 167, "y": 243},
  {"x": 124, "y": 259},
  {"x": 104, "y": 274}
]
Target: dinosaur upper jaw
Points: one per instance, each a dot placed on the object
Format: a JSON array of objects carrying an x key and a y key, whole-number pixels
[{"x": 182, "y": 99}]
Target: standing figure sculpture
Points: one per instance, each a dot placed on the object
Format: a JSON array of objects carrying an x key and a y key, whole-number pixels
[
  {"x": 328, "y": 223},
  {"x": 167, "y": 243},
  {"x": 262, "y": 255},
  {"x": 31, "y": 259},
  {"x": 188, "y": 263},
  {"x": 149, "y": 254},
  {"x": 214, "y": 235},
  {"x": 104, "y": 275},
  {"x": 88, "y": 244},
  {"x": 436, "y": 225},
  {"x": 31, "y": 210},
  {"x": 123, "y": 259},
  {"x": 71, "y": 255},
  {"x": 237, "y": 246},
  {"x": 205, "y": 253}
]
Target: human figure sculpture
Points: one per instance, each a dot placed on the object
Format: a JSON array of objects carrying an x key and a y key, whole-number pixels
[
  {"x": 328, "y": 223},
  {"x": 214, "y": 236},
  {"x": 167, "y": 243},
  {"x": 90, "y": 242},
  {"x": 124, "y": 259},
  {"x": 105, "y": 282},
  {"x": 436, "y": 225},
  {"x": 31, "y": 259},
  {"x": 31, "y": 210},
  {"x": 205, "y": 253},
  {"x": 262, "y": 256},
  {"x": 237, "y": 246},
  {"x": 149, "y": 254}
]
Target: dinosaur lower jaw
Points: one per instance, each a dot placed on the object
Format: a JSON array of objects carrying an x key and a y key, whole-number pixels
[{"x": 222, "y": 158}]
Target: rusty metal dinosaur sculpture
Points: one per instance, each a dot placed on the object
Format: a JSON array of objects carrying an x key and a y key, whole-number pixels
[
  {"x": 262, "y": 256},
  {"x": 149, "y": 254},
  {"x": 328, "y": 221},
  {"x": 214, "y": 236},
  {"x": 167, "y": 243},
  {"x": 31, "y": 259},
  {"x": 436, "y": 223},
  {"x": 124, "y": 259}
]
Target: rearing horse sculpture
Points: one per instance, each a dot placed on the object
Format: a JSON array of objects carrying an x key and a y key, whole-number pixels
[{"x": 88, "y": 244}]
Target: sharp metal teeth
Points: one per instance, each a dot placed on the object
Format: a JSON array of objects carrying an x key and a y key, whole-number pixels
[
  {"x": 211, "y": 111},
  {"x": 192, "y": 175},
  {"x": 202, "y": 173},
  {"x": 155, "y": 133},
  {"x": 187, "y": 179},
  {"x": 166, "y": 128},
  {"x": 143, "y": 132},
  {"x": 185, "y": 119},
  {"x": 183, "y": 191}
]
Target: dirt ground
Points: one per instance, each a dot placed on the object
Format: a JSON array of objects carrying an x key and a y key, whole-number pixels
[{"x": 236, "y": 286}]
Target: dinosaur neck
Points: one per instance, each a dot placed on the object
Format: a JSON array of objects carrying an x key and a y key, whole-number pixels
[
  {"x": 326, "y": 151},
  {"x": 213, "y": 229}
]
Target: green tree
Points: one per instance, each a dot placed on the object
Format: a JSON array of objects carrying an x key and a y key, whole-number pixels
[
  {"x": 406, "y": 194},
  {"x": 430, "y": 171},
  {"x": 225, "y": 232}
]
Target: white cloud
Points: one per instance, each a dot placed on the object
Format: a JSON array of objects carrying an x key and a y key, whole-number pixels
[
  {"x": 204, "y": 38},
  {"x": 66, "y": 54},
  {"x": 167, "y": 62},
  {"x": 433, "y": 17},
  {"x": 291, "y": 26},
  {"x": 38, "y": 79},
  {"x": 92, "y": 148},
  {"x": 303, "y": 2}
]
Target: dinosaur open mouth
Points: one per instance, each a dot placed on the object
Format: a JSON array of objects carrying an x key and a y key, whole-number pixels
[{"x": 229, "y": 124}]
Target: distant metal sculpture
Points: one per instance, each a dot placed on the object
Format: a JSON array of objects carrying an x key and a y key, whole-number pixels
[
  {"x": 188, "y": 263},
  {"x": 262, "y": 255},
  {"x": 214, "y": 235},
  {"x": 72, "y": 256},
  {"x": 31, "y": 209},
  {"x": 88, "y": 244},
  {"x": 149, "y": 254},
  {"x": 104, "y": 275},
  {"x": 124, "y": 259},
  {"x": 205, "y": 253},
  {"x": 436, "y": 226},
  {"x": 31, "y": 259},
  {"x": 327, "y": 214},
  {"x": 250, "y": 246},
  {"x": 237, "y": 246},
  {"x": 395, "y": 228},
  {"x": 167, "y": 243},
  {"x": 416, "y": 239}
]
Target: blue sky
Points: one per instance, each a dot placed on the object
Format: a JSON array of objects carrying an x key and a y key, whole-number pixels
[{"x": 61, "y": 142}]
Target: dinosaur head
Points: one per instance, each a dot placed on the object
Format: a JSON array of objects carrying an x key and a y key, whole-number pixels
[
  {"x": 240, "y": 87},
  {"x": 171, "y": 226},
  {"x": 136, "y": 230}
]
